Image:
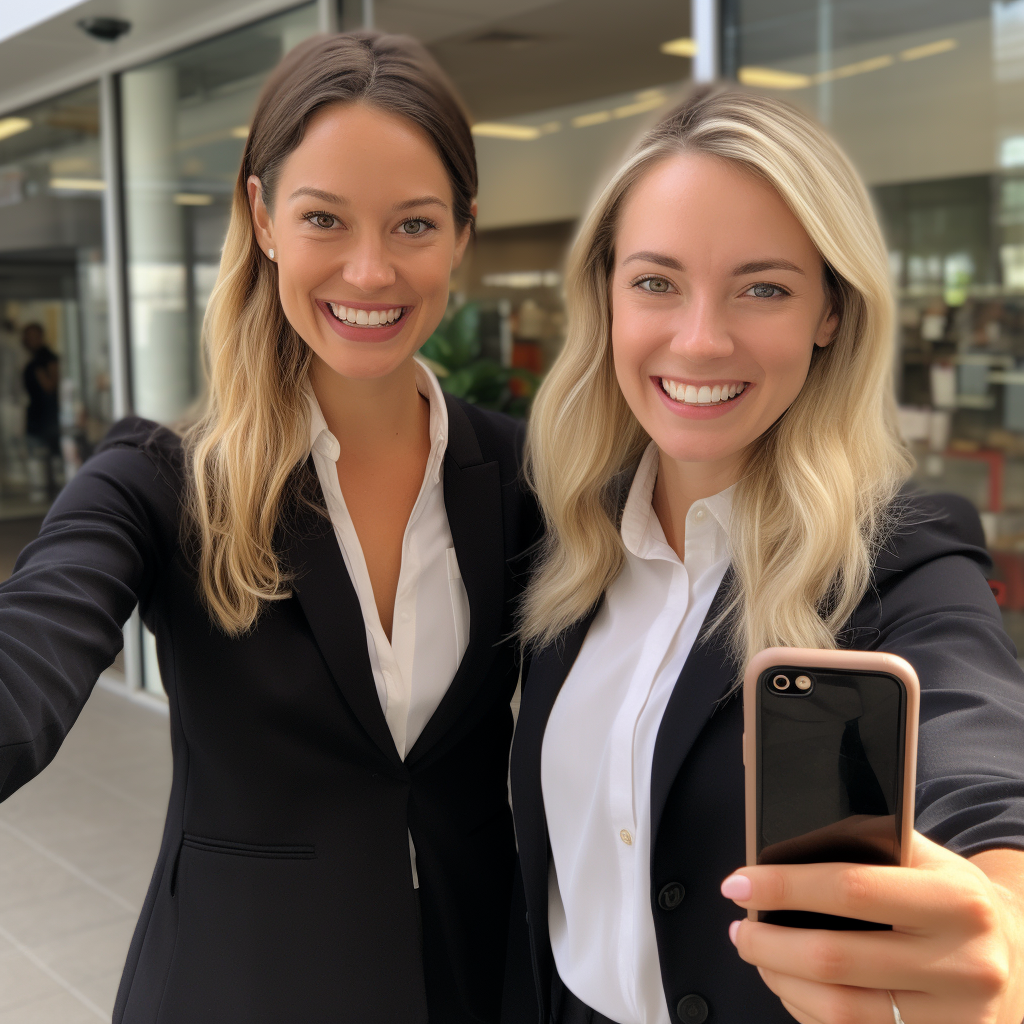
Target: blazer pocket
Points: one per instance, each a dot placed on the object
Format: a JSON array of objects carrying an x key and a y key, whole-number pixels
[{"x": 249, "y": 849}]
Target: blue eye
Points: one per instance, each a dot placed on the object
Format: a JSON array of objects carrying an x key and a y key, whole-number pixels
[
  {"x": 656, "y": 285},
  {"x": 766, "y": 291}
]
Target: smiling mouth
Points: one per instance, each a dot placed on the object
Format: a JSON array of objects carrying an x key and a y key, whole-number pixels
[
  {"x": 365, "y": 317},
  {"x": 691, "y": 394}
]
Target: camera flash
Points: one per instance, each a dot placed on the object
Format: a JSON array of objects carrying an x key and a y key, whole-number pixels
[{"x": 803, "y": 683}]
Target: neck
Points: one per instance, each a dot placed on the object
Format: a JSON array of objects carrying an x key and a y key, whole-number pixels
[
  {"x": 679, "y": 485},
  {"x": 369, "y": 417}
]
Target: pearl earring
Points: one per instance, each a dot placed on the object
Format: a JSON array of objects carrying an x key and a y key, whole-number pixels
[{"x": 270, "y": 253}]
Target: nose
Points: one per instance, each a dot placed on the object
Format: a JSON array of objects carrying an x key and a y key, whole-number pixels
[
  {"x": 702, "y": 333},
  {"x": 368, "y": 266}
]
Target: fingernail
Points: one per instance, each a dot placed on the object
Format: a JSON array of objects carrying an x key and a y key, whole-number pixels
[
  {"x": 737, "y": 887},
  {"x": 733, "y": 929}
]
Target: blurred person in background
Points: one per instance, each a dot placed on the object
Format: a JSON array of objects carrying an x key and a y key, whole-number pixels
[
  {"x": 41, "y": 377},
  {"x": 716, "y": 458},
  {"x": 323, "y": 558}
]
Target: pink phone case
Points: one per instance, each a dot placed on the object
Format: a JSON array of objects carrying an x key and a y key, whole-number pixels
[{"x": 862, "y": 661}]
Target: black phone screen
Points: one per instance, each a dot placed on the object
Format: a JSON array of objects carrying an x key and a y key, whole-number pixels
[{"x": 830, "y": 750}]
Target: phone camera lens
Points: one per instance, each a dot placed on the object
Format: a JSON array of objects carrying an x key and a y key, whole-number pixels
[
  {"x": 781, "y": 682},
  {"x": 803, "y": 682}
]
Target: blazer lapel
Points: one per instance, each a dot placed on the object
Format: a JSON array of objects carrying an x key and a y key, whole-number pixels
[
  {"x": 329, "y": 601},
  {"x": 548, "y": 672},
  {"x": 704, "y": 679},
  {"x": 472, "y": 501}
]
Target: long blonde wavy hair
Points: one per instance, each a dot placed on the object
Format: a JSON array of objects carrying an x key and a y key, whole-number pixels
[
  {"x": 816, "y": 498},
  {"x": 246, "y": 454}
]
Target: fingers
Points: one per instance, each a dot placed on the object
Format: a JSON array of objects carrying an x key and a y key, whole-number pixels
[
  {"x": 940, "y": 894},
  {"x": 811, "y": 1003},
  {"x": 872, "y": 960},
  {"x": 868, "y": 960},
  {"x": 830, "y": 1004}
]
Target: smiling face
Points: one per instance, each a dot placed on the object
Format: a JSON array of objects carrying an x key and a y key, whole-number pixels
[
  {"x": 363, "y": 237},
  {"x": 717, "y": 302}
]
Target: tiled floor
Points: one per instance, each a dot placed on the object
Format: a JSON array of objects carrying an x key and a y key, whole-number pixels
[{"x": 77, "y": 845}]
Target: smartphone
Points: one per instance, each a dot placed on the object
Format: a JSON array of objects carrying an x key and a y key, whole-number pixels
[{"x": 830, "y": 763}]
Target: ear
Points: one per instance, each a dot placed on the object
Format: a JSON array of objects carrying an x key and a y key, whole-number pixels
[
  {"x": 463, "y": 239},
  {"x": 827, "y": 330},
  {"x": 262, "y": 223}
]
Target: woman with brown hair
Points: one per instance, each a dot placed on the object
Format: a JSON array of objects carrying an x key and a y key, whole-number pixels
[{"x": 322, "y": 557}]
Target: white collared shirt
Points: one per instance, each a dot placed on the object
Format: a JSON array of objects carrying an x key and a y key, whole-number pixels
[
  {"x": 598, "y": 752},
  {"x": 430, "y": 630}
]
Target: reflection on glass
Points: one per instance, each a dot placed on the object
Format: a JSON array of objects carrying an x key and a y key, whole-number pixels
[
  {"x": 185, "y": 120},
  {"x": 928, "y": 101},
  {"x": 54, "y": 351}
]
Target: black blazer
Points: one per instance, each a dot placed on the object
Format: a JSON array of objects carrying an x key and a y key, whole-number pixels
[
  {"x": 283, "y": 889},
  {"x": 929, "y": 603}
]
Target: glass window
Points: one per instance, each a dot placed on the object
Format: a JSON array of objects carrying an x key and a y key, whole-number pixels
[
  {"x": 184, "y": 123},
  {"x": 54, "y": 352},
  {"x": 557, "y": 91},
  {"x": 927, "y": 99}
]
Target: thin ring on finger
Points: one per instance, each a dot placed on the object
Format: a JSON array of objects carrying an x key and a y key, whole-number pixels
[{"x": 897, "y": 1017}]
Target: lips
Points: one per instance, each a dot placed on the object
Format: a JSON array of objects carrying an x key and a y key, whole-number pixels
[{"x": 364, "y": 322}]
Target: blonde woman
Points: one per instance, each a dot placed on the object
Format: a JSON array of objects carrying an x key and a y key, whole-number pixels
[
  {"x": 716, "y": 461},
  {"x": 323, "y": 562}
]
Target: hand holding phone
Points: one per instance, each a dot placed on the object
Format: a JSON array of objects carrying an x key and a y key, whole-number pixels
[{"x": 830, "y": 755}]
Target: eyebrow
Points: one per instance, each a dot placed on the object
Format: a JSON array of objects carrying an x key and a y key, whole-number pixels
[
  {"x": 646, "y": 256},
  {"x": 753, "y": 267},
  {"x": 330, "y": 197},
  {"x": 758, "y": 266}
]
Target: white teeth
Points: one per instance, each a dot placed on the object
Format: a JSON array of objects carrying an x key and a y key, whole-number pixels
[
  {"x": 365, "y": 318},
  {"x": 690, "y": 394}
]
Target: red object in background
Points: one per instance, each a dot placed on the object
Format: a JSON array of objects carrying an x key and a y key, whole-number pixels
[
  {"x": 996, "y": 466},
  {"x": 526, "y": 355},
  {"x": 1011, "y": 567}
]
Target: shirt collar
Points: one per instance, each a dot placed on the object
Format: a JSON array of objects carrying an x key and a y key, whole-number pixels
[
  {"x": 321, "y": 440},
  {"x": 641, "y": 530}
]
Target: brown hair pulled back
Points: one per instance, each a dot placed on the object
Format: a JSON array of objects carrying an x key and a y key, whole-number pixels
[
  {"x": 392, "y": 73},
  {"x": 244, "y": 453}
]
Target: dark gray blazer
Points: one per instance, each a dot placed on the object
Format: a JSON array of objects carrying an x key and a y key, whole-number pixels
[
  {"x": 929, "y": 603},
  {"x": 283, "y": 889}
]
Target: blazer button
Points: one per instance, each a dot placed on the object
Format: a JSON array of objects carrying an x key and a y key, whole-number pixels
[
  {"x": 692, "y": 1009},
  {"x": 671, "y": 896}
]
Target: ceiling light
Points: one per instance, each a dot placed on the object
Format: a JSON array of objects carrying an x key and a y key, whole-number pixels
[
  {"x": 640, "y": 107},
  {"x": 586, "y": 120},
  {"x": 78, "y": 184},
  {"x": 13, "y": 125},
  {"x": 498, "y": 130},
  {"x": 770, "y": 78},
  {"x": 240, "y": 132},
  {"x": 859, "y": 68},
  {"x": 928, "y": 49},
  {"x": 193, "y": 198},
  {"x": 684, "y": 47},
  {"x": 523, "y": 279}
]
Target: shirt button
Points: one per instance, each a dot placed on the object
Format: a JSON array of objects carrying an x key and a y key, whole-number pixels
[
  {"x": 699, "y": 514},
  {"x": 626, "y": 837},
  {"x": 692, "y": 1009},
  {"x": 671, "y": 896}
]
